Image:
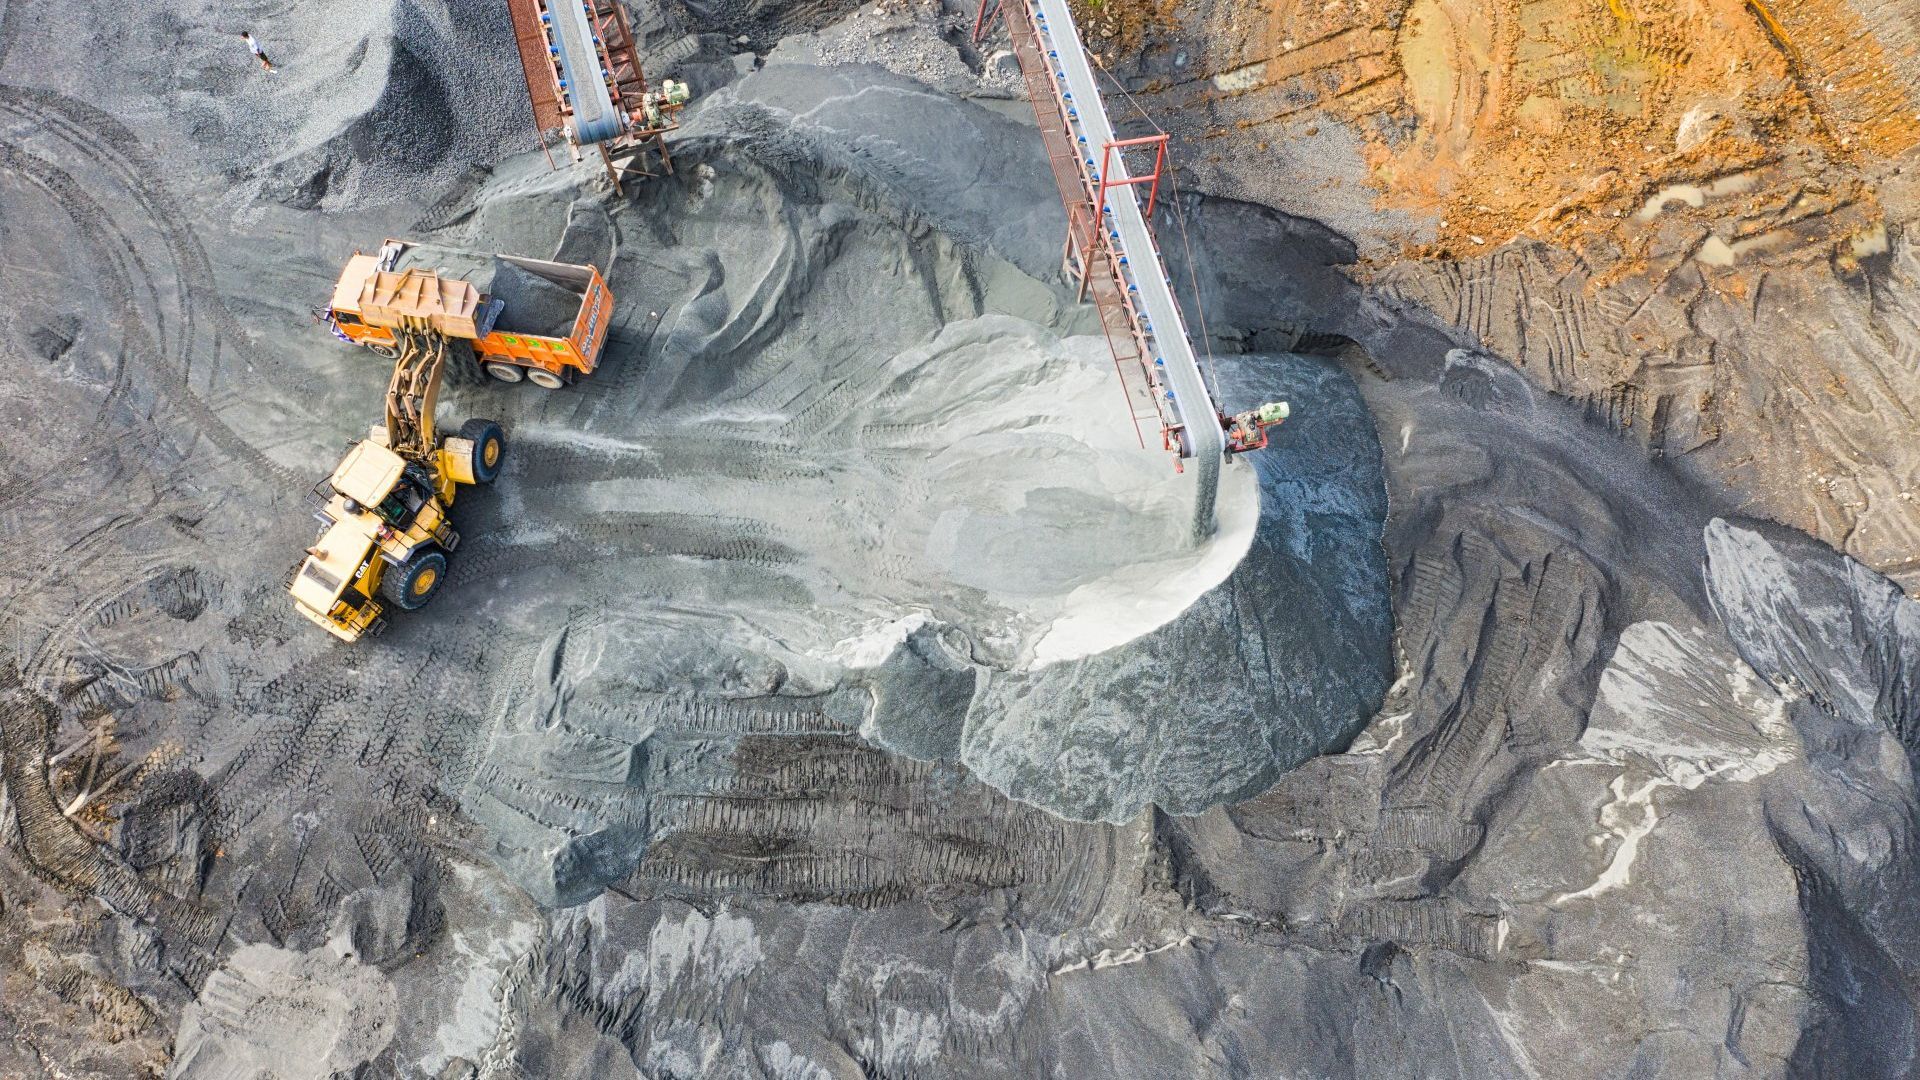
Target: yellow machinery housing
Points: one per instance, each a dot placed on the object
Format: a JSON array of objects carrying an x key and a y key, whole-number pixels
[{"x": 385, "y": 538}]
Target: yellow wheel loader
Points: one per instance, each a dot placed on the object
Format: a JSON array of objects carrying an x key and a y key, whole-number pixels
[{"x": 384, "y": 537}]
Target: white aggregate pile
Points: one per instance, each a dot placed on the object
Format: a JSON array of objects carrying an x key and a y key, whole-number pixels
[{"x": 989, "y": 478}]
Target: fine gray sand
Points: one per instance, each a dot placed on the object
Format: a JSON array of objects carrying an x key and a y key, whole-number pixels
[{"x": 829, "y": 687}]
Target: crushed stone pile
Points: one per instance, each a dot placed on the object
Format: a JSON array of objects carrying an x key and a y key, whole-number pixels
[
  {"x": 534, "y": 304},
  {"x": 826, "y": 688}
]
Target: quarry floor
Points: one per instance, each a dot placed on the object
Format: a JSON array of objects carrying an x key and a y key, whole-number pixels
[{"x": 828, "y": 688}]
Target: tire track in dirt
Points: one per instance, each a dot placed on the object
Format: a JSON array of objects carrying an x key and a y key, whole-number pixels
[
  {"x": 88, "y": 217},
  {"x": 80, "y": 131},
  {"x": 156, "y": 291},
  {"x": 105, "y": 142},
  {"x": 112, "y": 151}
]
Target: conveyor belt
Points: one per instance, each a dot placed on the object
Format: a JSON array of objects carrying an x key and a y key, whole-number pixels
[
  {"x": 1187, "y": 399},
  {"x": 570, "y": 32}
]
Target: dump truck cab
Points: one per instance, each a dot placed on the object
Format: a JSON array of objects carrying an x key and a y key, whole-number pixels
[{"x": 531, "y": 319}]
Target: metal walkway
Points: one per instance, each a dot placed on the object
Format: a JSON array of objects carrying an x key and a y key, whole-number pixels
[{"x": 1110, "y": 246}]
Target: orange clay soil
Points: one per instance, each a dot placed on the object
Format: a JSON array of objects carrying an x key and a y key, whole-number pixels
[
  {"x": 1581, "y": 121},
  {"x": 1113, "y": 28}
]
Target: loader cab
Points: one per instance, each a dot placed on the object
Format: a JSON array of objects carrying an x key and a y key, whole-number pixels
[
  {"x": 368, "y": 474},
  {"x": 380, "y": 482},
  {"x": 404, "y": 501}
]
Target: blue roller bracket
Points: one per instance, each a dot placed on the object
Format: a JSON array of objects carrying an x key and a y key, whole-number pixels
[{"x": 595, "y": 120}]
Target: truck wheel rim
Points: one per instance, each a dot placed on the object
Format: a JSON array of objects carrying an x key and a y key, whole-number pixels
[
  {"x": 491, "y": 455},
  {"x": 423, "y": 581}
]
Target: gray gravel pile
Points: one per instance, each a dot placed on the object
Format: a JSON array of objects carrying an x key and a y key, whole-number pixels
[
  {"x": 921, "y": 39},
  {"x": 368, "y": 103},
  {"x": 534, "y": 305}
]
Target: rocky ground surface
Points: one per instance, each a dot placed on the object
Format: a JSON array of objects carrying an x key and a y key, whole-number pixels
[{"x": 826, "y": 689}]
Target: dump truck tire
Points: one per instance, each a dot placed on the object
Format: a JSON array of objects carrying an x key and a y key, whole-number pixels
[
  {"x": 545, "y": 379},
  {"x": 413, "y": 583},
  {"x": 505, "y": 372},
  {"x": 489, "y": 448},
  {"x": 391, "y": 352}
]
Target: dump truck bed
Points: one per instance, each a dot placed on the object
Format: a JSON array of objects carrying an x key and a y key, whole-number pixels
[
  {"x": 522, "y": 314},
  {"x": 541, "y": 297}
]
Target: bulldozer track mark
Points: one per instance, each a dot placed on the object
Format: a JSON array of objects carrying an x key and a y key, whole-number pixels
[
  {"x": 720, "y": 716},
  {"x": 632, "y": 536},
  {"x": 1435, "y": 587},
  {"x": 1491, "y": 704},
  {"x": 1473, "y": 739},
  {"x": 544, "y": 804},
  {"x": 744, "y": 458},
  {"x": 186, "y": 592},
  {"x": 625, "y": 352},
  {"x": 152, "y": 683},
  {"x": 57, "y": 852},
  {"x": 1437, "y": 922},
  {"x": 1617, "y": 407}
]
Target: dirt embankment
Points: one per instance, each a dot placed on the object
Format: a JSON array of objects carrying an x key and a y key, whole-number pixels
[
  {"x": 1573, "y": 122},
  {"x": 1694, "y": 218}
]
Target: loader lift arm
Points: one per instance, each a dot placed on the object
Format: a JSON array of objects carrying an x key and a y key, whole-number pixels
[{"x": 413, "y": 391}]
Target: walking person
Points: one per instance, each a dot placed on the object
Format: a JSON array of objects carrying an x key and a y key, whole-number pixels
[{"x": 254, "y": 47}]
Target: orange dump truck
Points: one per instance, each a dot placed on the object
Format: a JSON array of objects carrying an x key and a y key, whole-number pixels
[{"x": 545, "y": 322}]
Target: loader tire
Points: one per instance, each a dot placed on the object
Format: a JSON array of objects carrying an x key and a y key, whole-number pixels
[
  {"x": 413, "y": 583},
  {"x": 489, "y": 448}
]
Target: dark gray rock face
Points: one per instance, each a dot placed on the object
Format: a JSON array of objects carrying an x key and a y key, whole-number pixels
[
  {"x": 665, "y": 784},
  {"x": 1845, "y": 643}
]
